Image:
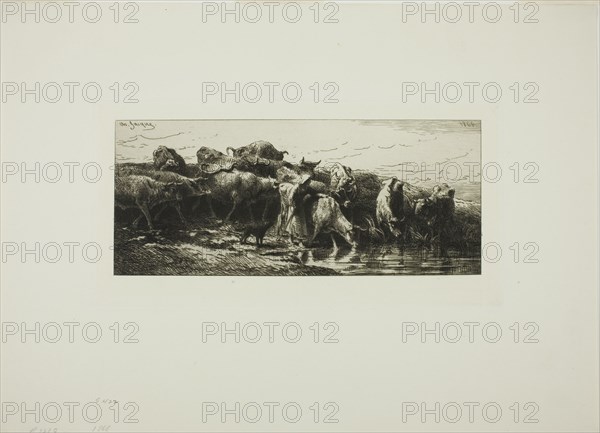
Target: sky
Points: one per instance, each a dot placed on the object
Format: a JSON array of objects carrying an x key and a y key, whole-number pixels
[{"x": 401, "y": 148}]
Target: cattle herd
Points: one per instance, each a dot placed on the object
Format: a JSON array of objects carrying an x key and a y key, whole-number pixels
[{"x": 257, "y": 188}]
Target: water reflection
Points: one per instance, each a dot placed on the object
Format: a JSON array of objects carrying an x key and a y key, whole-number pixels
[{"x": 392, "y": 260}]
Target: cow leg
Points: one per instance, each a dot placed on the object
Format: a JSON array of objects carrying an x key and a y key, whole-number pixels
[
  {"x": 335, "y": 247},
  {"x": 384, "y": 230},
  {"x": 265, "y": 212},
  {"x": 160, "y": 211},
  {"x": 249, "y": 204},
  {"x": 146, "y": 212},
  {"x": 177, "y": 206},
  {"x": 316, "y": 232},
  {"x": 196, "y": 204},
  {"x": 136, "y": 222},
  {"x": 235, "y": 203},
  {"x": 210, "y": 206},
  {"x": 280, "y": 219}
]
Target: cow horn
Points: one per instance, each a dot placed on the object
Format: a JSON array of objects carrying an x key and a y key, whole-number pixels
[
  {"x": 285, "y": 152},
  {"x": 232, "y": 150}
]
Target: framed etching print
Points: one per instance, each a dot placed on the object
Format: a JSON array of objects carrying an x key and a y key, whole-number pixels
[{"x": 298, "y": 197}]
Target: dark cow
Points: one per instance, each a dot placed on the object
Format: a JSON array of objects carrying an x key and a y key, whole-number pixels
[
  {"x": 168, "y": 159},
  {"x": 187, "y": 187},
  {"x": 143, "y": 192},
  {"x": 261, "y": 148},
  {"x": 390, "y": 207},
  {"x": 238, "y": 187},
  {"x": 436, "y": 212}
]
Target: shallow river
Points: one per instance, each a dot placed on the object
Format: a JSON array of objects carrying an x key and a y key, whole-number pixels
[{"x": 391, "y": 259}]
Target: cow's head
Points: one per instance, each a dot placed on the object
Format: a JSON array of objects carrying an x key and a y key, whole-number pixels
[
  {"x": 395, "y": 195},
  {"x": 174, "y": 190},
  {"x": 393, "y": 185},
  {"x": 423, "y": 206},
  {"x": 308, "y": 165},
  {"x": 207, "y": 154},
  {"x": 164, "y": 159},
  {"x": 443, "y": 198},
  {"x": 199, "y": 186},
  {"x": 346, "y": 192},
  {"x": 442, "y": 191},
  {"x": 273, "y": 182}
]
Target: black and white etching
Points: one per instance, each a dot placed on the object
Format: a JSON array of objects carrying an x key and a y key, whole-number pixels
[{"x": 297, "y": 197}]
